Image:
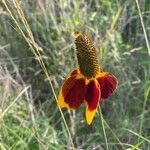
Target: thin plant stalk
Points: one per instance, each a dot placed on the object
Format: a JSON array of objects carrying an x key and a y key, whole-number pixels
[
  {"x": 143, "y": 26},
  {"x": 103, "y": 127}
]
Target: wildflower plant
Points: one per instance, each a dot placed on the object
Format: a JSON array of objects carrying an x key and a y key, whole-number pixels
[{"x": 88, "y": 83}]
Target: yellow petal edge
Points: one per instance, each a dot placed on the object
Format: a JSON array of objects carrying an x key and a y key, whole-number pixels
[
  {"x": 60, "y": 102},
  {"x": 90, "y": 115}
]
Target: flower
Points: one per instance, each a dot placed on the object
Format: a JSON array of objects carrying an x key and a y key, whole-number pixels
[{"x": 89, "y": 83}]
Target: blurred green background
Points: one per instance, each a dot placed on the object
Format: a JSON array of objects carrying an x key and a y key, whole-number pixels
[{"x": 29, "y": 117}]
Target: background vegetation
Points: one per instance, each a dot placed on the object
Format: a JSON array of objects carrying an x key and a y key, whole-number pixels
[{"x": 36, "y": 55}]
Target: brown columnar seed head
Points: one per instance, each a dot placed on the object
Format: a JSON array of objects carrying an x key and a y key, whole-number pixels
[{"x": 86, "y": 55}]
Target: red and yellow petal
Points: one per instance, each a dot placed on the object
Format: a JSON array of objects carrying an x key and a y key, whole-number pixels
[
  {"x": 72, "y": 92},
  {"x": 108, "y": 84},
  {"x": 92, "y": 98},
  {"x": 60, "y": 100}
]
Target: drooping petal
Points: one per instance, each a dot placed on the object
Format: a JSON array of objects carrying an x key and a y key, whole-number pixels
[
  {"x": 92, "y": 98},
  {"x": 108, "y": 84},
  {"x": 72, "y": 92}
]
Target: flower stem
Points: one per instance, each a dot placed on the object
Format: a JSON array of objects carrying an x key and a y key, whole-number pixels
[{"x": 103, "y": 127}]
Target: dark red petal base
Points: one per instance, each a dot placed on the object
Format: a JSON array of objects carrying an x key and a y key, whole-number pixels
[
  {"x": 73, "y": 91},
  {"x": 108, "y": 84},
  {"x": 92, "y": 95}
]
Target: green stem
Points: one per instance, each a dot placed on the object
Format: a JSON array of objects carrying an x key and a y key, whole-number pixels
[
  {"x": 143, "y": 26},
  {"x": 103, "y": 127}
]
